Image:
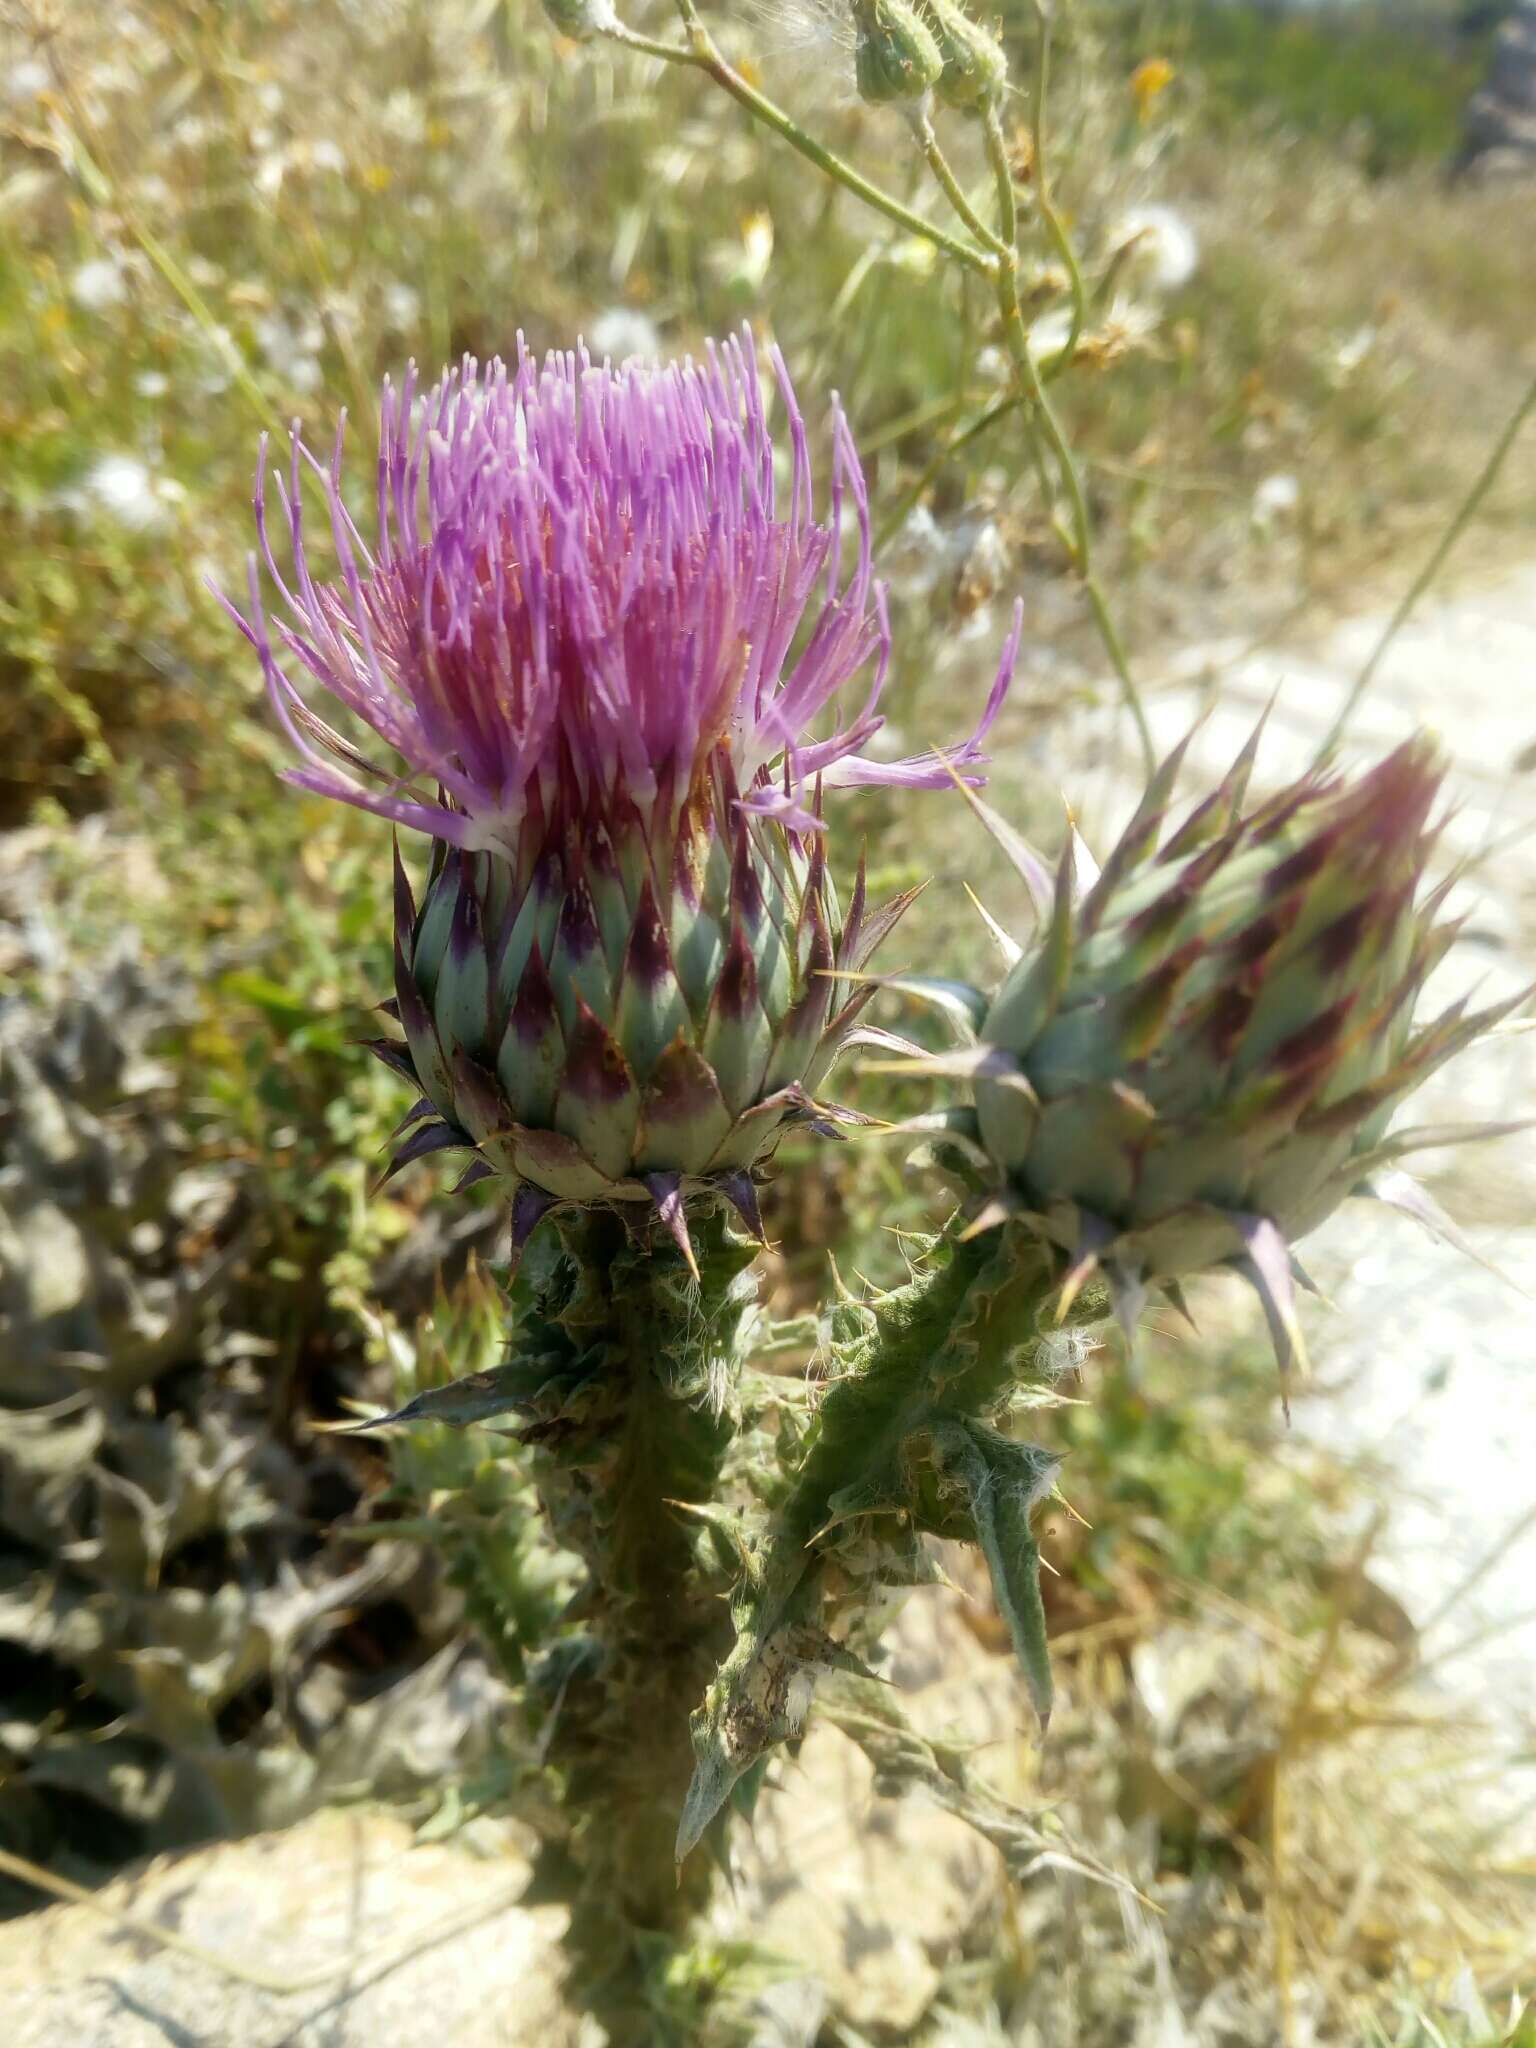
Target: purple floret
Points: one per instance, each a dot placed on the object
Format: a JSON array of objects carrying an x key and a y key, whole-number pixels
[{"x": 586, "y": 579}]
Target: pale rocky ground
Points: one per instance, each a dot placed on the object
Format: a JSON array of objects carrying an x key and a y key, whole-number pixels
[
  {"x": 342, "y": 1932},
  {"x": 1425, "y": 1371},
  {"x": 381, "y": 1942}
]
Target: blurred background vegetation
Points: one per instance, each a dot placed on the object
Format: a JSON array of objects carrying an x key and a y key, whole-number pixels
[{"x": 215, "y": 219}]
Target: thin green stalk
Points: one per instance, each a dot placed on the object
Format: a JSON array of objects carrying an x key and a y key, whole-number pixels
[
  {"x": 704, "y": 55},
  {"x": 1078, "y": 540},
  {"x": 648, "y": 46},
  {"x": 1460, "y": 521},
  {"x": 1002, "y": 179},
  {"x": 1060, "y": 240},
  {"x": 1044, "y": 424},
  {"x": 954, "y": 191}
]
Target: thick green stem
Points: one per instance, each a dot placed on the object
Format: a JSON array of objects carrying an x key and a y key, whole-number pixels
[
  {"x": 946, "y": 1345},
  {"x": 901, "y": 1445},
  {"x": 629, "y": 1369}
]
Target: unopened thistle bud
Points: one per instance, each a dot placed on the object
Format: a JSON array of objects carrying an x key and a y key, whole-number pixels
[
  {"x": 596, "y": 634},
  {"x": 582, "y": 19},
  {"x": 1196, "y": 1061},
  {"x": 975, "y": 68},
  {"x": 895, "y": 54}
]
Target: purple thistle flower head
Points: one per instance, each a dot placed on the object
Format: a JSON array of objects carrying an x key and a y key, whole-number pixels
[
  {"x": 586, "y": 584},
  {"x": 610, "y": 652}
]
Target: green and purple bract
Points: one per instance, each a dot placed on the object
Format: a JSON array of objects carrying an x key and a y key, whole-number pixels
[{"x": 1196, "y": 1061}]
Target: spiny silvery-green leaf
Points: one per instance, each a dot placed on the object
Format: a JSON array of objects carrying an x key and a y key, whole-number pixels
[
  {"x": 160, "y": 1575},
  {"x": 896, "y": 1449},
  {"x": 1203, "y": 1047},
  {"x": 478, "y": 1397},
  {"x": 1001, "y": 1482},
  {"x": 905, "y": 1759}
]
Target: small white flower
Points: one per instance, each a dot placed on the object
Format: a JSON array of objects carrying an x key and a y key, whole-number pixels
[
  {"x": 744, "y": 263},
  {"x": 286, "y": 343},
  {"x": 326, "y": 155},
  {"x": 152, "y": 384},
  {"x": 912, "y": 255},
  {"x": 216, "y": 375},
  {"x": 402, "y": 306},
  {"x": 1128, "y": 325},
  {"x": 27, "y": 81},
  {"x": 270, "y": 172},
  {"x": 99, "y": 284},
  {"x": 985, "y": 567},
  {"x": 621, "y": 332},
  {"x": 1276, "y": 498},
  {"x": 123, "y": 487},
  {"x": 1049, "y": 335},
  {"x": 751, "y": 266},
  {"x": 1352, "y": 352},
  {"x": 402, "y": 116},
  {"x": 919, "y": 556},
  {"x": 1164, "y": 250}
]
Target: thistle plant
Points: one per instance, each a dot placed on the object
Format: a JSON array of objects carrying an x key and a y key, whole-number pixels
[
  {"x": 621, "y": 657},
  {"x": 626, "y": 980},
  {"x": 595, "y": 633}
]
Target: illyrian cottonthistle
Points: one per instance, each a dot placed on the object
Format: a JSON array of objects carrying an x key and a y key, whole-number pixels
[
  {"x": 1197, "y": 1059},
  {"x": 597, "y": 632}
]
